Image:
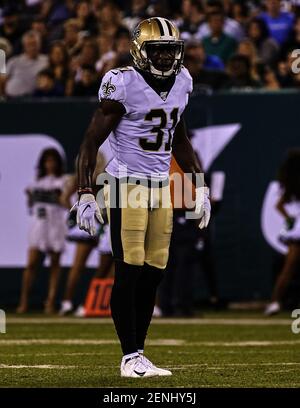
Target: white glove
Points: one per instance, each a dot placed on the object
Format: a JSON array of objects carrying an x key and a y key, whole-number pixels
[
  {"x": 87, "y": 213},
  {"x": 203, "y": 205}
]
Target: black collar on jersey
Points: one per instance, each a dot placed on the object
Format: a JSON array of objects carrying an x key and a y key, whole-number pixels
[{"x": 160, "y": 86}]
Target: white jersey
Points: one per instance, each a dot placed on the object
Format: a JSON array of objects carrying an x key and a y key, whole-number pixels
[
  {"x": 289, "y": 235},
  {"x": 48, "y": 222},
  {"x": 142, "y": 142}
]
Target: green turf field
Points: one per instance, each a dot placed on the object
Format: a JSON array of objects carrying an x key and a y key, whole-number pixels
[{"x": 219, "y": 350}]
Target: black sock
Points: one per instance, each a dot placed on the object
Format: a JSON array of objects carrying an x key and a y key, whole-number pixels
[
  {"x": 123, "y": 304},
  {"x": 145, "y": 300}
]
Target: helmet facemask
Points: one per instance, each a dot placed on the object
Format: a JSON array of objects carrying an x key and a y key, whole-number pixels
[{"x": 162, "y": 58}]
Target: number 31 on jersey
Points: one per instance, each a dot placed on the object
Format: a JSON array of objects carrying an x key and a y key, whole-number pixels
[{"x": 159, "y": 130}]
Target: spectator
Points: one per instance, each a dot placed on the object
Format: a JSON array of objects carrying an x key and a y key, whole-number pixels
[
  {"x": 204, "y": 76},
  {"x": 95, "y": 5},
  {"x": 59, "y": 11},
  {"x": 294, "y": 41},
  {"x": 227, "y": 6},
  {"x": 71, "y": 38},
  {"x": 45, "y": 9},
  {"x": 266, "y": 47},
  {"x": 123, "y": 43},
  {"x": 159, "y": 8},
  {"x": 79, "y": 23},
  {"x": 22, "y": 70},
  {"x": 208, "y": 61},
  {"x": 109, "y": 18},
  {"x": 218, "y": 43},
  {"x": 32, "y": 6},
  {"x": 86, "y": 19},
  {"x": 193, "y": 16},
  {"x": 268, "y": 78},
  {"x": 121, "y": 56},
  {"x": 46, "y": 85},
  {"x": 106, "y": 53},
  {"x": 240, "y": 13},
  {"x": 239, "y": 71},
  {"x": 284, "y": 75},
  {"x": 89, "y": 51},
  {"x": 231, "y": 27},
  {"x": 89, "y": 83},
  {"x": 247, "y": 49},
  {"x": 137, "y": 13},
  {"x": 59, "y": 64},
  {"x": 56, "y": 13},
  {"x": 88, "y": 56},
  {"x": 40, "y": 27},
  {"x": 123, "y": 60},
  {"x": 280, "y": 23},
  {"x": 12, "y": 29}
]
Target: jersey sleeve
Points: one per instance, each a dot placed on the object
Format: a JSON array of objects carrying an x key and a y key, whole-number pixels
[
  {"x": 112, "y": 87},
  {"x": 189, "y": 81}
]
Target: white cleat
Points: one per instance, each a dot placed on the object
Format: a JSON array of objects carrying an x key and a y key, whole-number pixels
[
  {"x": 162, "y": 372},
  {"x": 272, "y": 309},
  {"x": 136, "y": 368},
  {"x": 65, "y": 308}
]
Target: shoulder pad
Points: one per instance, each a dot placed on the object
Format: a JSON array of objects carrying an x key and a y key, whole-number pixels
[
  {"x": 113, "y": 87},
  {"x": 188, "y": 79}
]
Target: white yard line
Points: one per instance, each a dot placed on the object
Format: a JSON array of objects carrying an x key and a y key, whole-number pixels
[
  {"x": 197, "y": 321},
  {"x": 154, "y": 342},
  {"x": 43, "y": 366},
  {"x": 281, "y": 371},
  {"x": 247, "y": 343},
  {"x": 291, "y": 365},
  {"x": 225, "y": 321},
  {"x": 55, "y": 354},
  {"x": 79, "y": 342},
  {"x": 234, "y": 365}
]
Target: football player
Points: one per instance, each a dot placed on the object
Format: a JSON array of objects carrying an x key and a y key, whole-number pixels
[{"x": 142, "y": 106}]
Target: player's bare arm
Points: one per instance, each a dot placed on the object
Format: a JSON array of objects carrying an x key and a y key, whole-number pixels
[
  {"x": 183, "y": 151},
  {"x": 187, "y": 160},
  {"x": 105, "y": 120}
]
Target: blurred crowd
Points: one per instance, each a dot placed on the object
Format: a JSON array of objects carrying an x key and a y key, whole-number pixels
[{"x": 60, "y": 48}]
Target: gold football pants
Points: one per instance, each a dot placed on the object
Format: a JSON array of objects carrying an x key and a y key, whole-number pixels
[{"x": 141, "y": 219}]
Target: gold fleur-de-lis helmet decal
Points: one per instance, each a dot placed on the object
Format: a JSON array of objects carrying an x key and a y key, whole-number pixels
[{"x": 108, "y": 88}]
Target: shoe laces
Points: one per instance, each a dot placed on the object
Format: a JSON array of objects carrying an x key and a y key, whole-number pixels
[
  {"x": 146, "y": 361},
  {"x": 140, "y": 364},
  {"x": 137, "y": 363}
]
